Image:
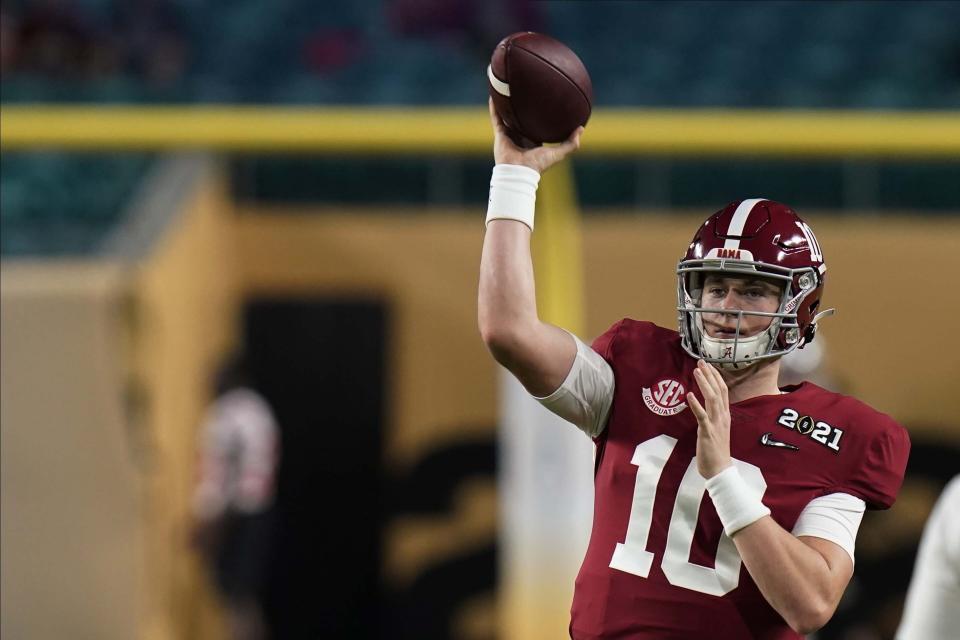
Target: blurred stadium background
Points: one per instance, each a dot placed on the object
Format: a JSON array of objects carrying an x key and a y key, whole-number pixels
[{"x": 307, "y": 180}]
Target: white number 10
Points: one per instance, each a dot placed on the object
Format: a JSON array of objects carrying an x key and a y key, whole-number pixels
[{"x": 632, "y": 556}]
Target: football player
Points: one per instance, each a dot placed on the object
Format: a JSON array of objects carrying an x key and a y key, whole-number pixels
[
  {"x": 724, "y": 506},
  {"x": 931, "y": 609}
]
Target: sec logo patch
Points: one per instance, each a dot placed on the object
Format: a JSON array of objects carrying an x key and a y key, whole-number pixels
[{"x": 665, "y": 398}]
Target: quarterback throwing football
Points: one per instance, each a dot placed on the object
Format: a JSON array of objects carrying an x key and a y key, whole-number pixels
[{"x": 725, "y": 507}]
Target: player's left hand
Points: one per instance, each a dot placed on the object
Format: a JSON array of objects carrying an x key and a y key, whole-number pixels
[{"x": 713, "y": 418}]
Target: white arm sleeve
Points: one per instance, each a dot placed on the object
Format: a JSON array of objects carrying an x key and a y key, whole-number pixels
[
  {"x": 586, "y": 394},
  {"x": 835, "y": 517}
]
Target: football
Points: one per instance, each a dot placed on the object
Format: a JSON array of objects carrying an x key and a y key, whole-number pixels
[{"x": 540, "y": 88}]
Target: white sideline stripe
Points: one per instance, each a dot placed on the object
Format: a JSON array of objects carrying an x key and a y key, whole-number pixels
[
  {"x": 739, "y": 219},
  {"x": 498, "y": 85}
]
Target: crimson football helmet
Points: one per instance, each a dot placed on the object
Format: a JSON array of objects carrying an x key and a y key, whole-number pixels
[{"x": 756, "y": 237}]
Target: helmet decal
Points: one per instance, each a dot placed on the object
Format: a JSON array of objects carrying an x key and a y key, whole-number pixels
[{"x": 815, "y": 254}]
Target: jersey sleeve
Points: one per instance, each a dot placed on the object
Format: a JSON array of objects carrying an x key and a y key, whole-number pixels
[
  {"x": 604, "y": 343},
  {"x": 877, "y": 478}
]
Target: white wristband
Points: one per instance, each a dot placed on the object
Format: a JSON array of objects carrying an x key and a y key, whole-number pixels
[
  {"x": 736, "y": 502},
  {"x": 513, "y": 193}
]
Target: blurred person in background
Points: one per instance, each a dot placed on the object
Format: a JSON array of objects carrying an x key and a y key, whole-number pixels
[
  {"x": 932, "y": 610},
  {"x": 234, "y": 497},
  {"x": 789, "y": 471}
]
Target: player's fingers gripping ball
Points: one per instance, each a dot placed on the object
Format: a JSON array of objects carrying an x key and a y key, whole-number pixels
[{"x": 540, "y": 89}]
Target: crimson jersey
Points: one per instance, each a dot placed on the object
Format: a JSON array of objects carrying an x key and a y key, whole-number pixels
[{"x": 658, "y": 564}]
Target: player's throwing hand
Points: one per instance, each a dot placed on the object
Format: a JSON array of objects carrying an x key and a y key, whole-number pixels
[
  {"x": 713, "y": 432},
  {"x": 539, "y": 158}
]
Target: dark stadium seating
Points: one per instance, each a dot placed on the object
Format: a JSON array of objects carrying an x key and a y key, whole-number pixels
[
  {"x": 854, "y": 54},
  {"x": 850, "y": 54}
]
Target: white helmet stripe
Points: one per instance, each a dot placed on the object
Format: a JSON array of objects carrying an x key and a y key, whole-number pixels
[{"x": 739, "y": 220}]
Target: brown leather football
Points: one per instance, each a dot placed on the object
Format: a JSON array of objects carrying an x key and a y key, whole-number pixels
[{"x": 540, "y": 88}]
